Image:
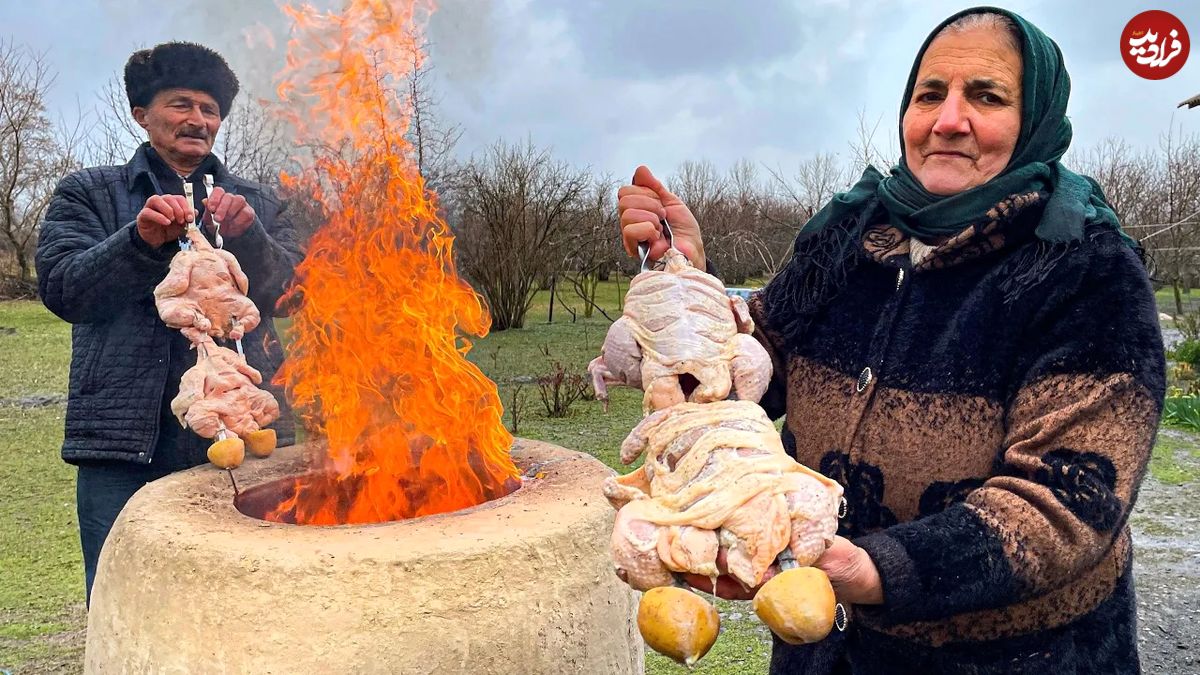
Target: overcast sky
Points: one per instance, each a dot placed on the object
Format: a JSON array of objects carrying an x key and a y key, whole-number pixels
[{"x": 613, "y": 83}]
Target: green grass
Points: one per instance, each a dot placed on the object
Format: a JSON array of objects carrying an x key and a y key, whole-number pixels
[
  {"x": 1165, "y": 464},
  {"x": 41, "y": 587},
  {"x": 744, "y": 646},
  {"x": 1165, "y": 298},
  {"x": 531, "y": 351},
  {"x": 520, "y": 353},
  {"x": 34, "y": 358},
  {"x": 1153, "y": 526}
]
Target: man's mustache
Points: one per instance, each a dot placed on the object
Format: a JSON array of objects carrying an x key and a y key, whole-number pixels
[{"x": 193, "y": 133}]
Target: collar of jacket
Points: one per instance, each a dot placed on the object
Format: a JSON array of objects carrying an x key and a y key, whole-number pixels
[{"x": 139, "y": 169}]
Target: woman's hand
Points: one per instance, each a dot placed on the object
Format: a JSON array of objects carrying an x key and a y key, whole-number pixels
[
  {"x": 850, "y": 569},
  {"x": 853, "y": 574},
  {"x": 642, "y": 205},
  {"x": 727, "y": 586}
]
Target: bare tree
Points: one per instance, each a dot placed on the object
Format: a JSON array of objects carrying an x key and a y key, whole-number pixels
[
  {"x": 32, "y": 157},
  {"x": 513, "y": 207},
  {"x": 592, "y": 248},
  {"x": 735, "y": 234},
  {"x": 700, "y": 186},
  {"x": 865, "y": 149},
  {"x": 747, "y": 227},
  {"x": 1174, "y": 205},
  {"x": 1127, "y": 177},
  {"x": 254, "y": 142},
  {"x": 815, "y": 182},
  {"x": 432, "y": 140},
  {"x": 790, "y": 201},
  {"x": 115, "y": 134}
]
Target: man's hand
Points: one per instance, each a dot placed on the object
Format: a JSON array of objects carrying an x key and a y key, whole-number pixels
[
  {"x": 164, "y": 218},
  {"x": 232, "y": 211},
  {"x": 642, "y": 205},
  {"x": 853, "y": 574}
]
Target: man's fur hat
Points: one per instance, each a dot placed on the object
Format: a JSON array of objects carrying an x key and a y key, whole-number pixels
[{"x": 179, "y": 65}]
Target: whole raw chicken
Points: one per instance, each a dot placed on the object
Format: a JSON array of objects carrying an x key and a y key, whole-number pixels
[
  {"x": 715, "y": 476},
  {"x": 204, "y": 293},
  {"x": 220, "y": 393},
  {"x": 678, "y": 322}
]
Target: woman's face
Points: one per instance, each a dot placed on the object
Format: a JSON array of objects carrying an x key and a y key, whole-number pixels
[{"x": 965, "y": 114}]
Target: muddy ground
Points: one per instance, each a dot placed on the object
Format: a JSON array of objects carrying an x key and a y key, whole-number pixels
[{"x": 1166, "y": 527}]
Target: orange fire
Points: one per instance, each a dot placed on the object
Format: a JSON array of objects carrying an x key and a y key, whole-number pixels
[{"x": 377, "y": 361}]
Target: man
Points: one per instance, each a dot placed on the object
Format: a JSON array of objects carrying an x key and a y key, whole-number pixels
[{"x": 108, "y": 239}]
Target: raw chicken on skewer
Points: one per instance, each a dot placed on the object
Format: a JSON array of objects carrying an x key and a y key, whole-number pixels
[
  {"x": 716, "y": 486},
  {"x": 715, "y": 476},
  {"x": 204, "y": 295},
  {"x": 219, "y": 398},
  {"x": 716, "y": 480},
  {"x": 681, "y": 338}
]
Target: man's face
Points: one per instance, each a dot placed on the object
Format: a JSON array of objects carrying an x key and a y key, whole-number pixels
[{"x": 182, "y": 123}]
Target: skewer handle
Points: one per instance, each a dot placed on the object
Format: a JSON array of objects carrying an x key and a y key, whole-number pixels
[
  {"x": 208, "y": 187},
  {"x": 189, "y": 191}
]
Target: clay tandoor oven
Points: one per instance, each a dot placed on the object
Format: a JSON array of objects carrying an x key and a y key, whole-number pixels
[{"x": 189, "y": 583}]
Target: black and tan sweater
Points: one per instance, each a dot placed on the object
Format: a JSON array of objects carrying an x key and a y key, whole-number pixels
[{"x": 991, "y": 437}]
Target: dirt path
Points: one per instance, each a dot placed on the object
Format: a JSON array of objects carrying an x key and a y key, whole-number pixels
[{"x": 1166, "y": 528}]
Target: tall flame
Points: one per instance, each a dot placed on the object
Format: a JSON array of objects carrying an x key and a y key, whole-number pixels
[{"x": 377, "y": 360}]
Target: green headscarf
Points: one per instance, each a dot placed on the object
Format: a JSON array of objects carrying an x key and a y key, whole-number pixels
[{"x": 1045, "y": 135}]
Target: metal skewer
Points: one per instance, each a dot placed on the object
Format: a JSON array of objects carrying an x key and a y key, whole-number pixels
[
  {"x": 238, "y": 342},
  {"x": 189, "y": 193},
  {"x": 219, "y": 242},
  {"x": 222, "y": 434},
  {"x": 644, "y": 247}
]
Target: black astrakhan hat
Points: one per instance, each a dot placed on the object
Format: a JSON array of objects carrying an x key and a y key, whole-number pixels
[{"x": 179, "y": 65}]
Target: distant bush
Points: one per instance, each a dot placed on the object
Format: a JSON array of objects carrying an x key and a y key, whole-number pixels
[
  {"x": 1188, "y": 325},
  {"x": 15, "y": 288},
  {"x": 1182, "y": 411},
  {"x": 1187, "y": 351},
  {"x": 560, "y": 388}
]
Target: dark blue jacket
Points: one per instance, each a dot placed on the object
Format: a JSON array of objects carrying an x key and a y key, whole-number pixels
[{"x": 95, "y": 272}]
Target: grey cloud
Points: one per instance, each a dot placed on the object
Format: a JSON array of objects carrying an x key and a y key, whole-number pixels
[
  {"x": 612, "y": 84},
  {"x": 678, "y": 37}
]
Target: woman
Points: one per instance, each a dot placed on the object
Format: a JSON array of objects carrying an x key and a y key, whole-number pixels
[{"x": 970, "y": 346}]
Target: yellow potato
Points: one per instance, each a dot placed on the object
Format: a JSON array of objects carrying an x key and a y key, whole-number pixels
[
  {"x": 261, "y": 443},
  {"x": 798, "y": 605},
  {"x": 677, "y": 623},
  {"x": 227, "y": 454}
]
